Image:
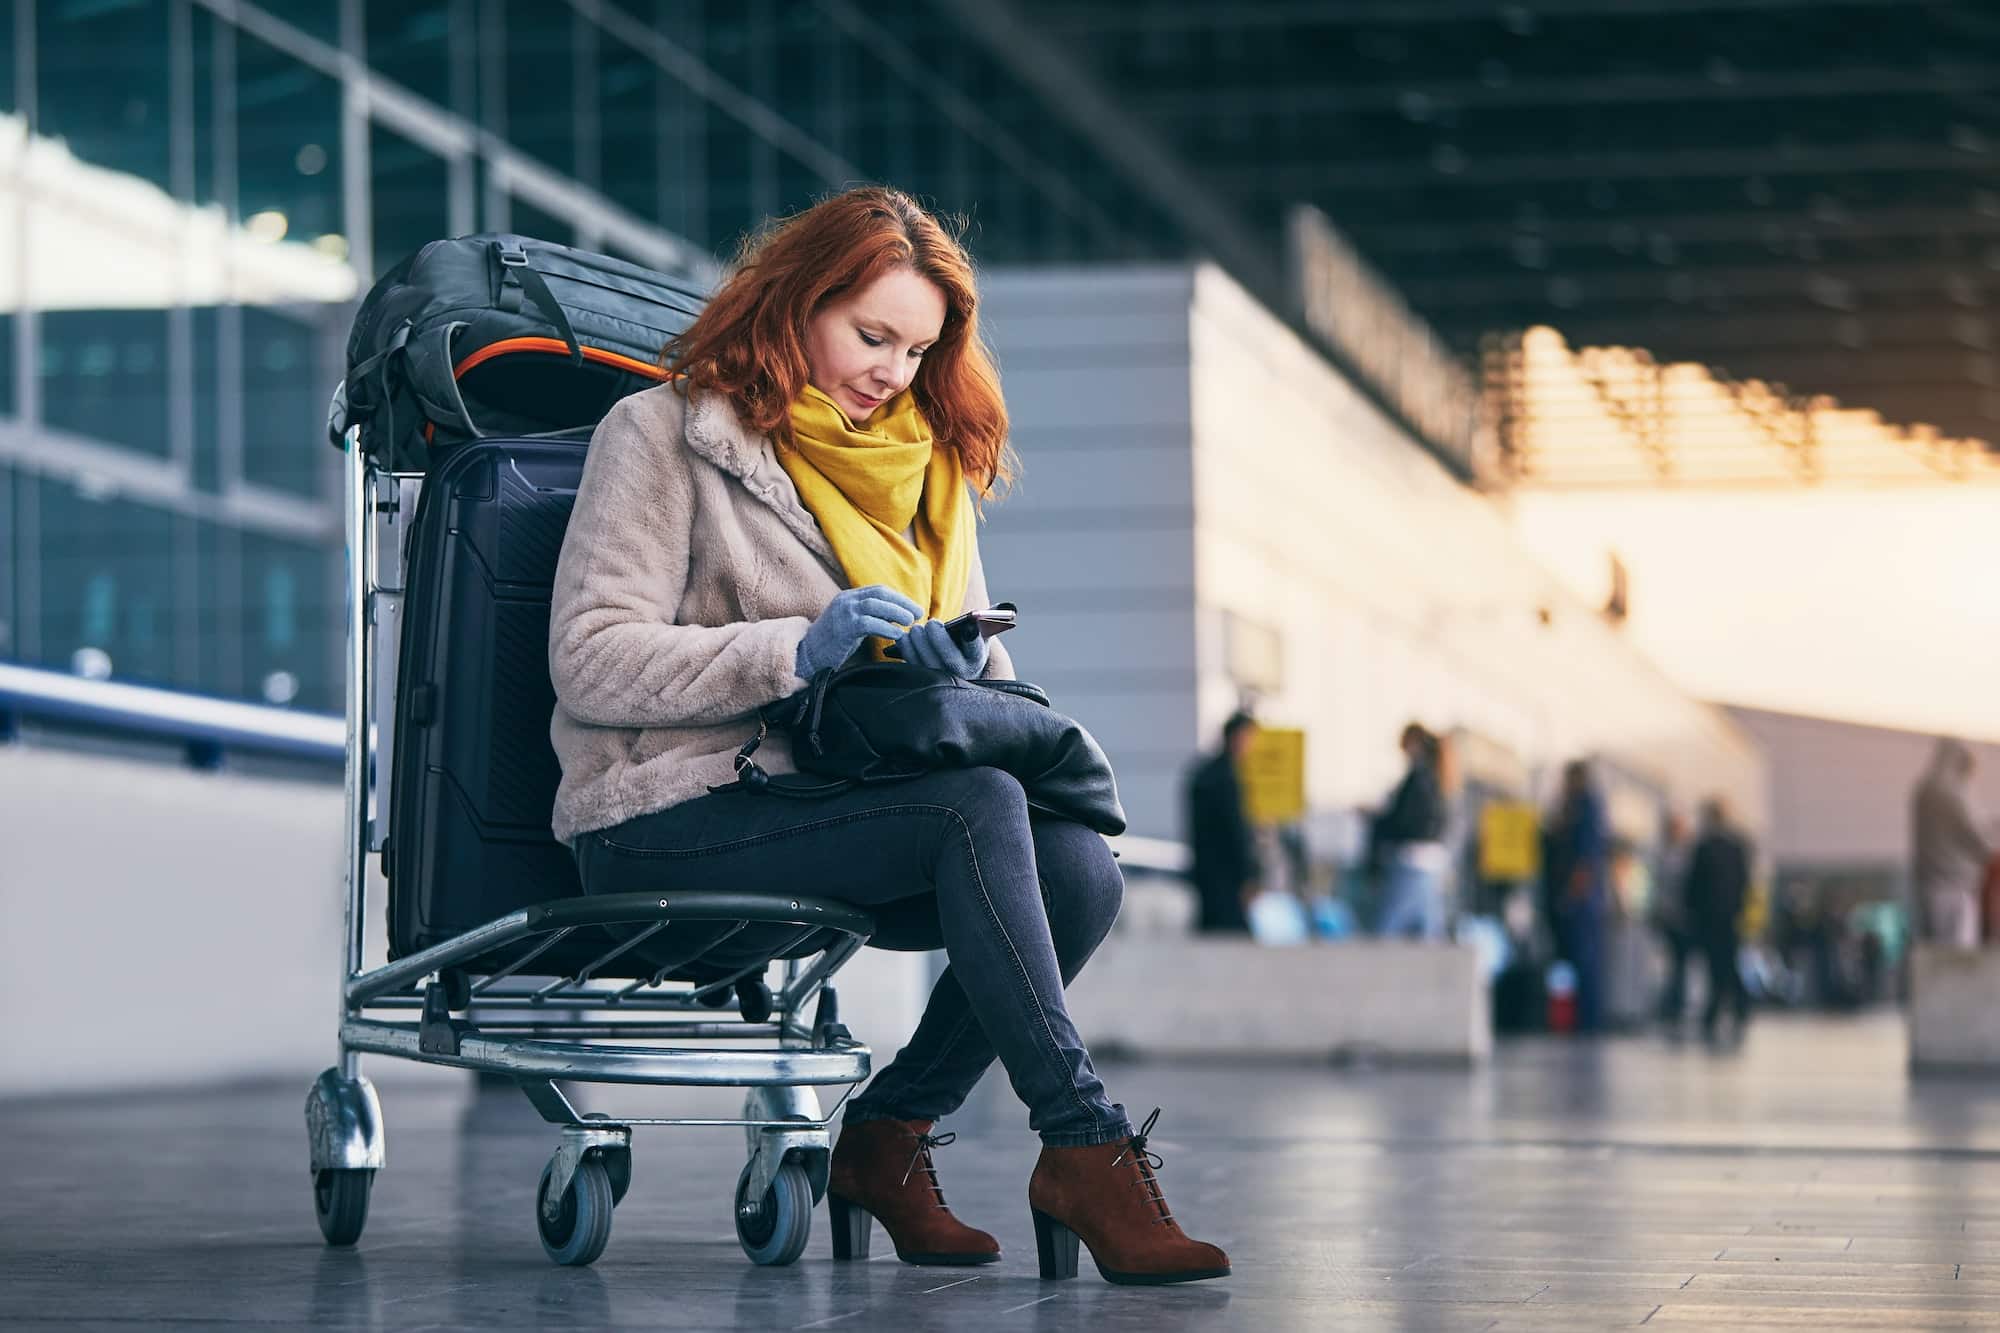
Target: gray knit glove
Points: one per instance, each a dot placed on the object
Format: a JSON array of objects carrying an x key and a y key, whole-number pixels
[
  {"x": 929, "y": 644},
  {"x": 852, "y": 616}
]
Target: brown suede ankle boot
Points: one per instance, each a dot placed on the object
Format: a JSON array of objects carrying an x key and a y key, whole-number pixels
[
  {"x": 883, "y": 1168},
  {"x": 1107, "y": 1195}
]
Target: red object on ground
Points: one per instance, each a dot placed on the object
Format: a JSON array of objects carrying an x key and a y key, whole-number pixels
[{"x": 1562, "y": 1010}]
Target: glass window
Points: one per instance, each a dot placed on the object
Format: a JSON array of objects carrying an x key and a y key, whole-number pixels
[
  {"x": 10, "y": 566},
  {"x": 541, "y": 82},
  {"x": 727, "y": 187},
  {"x": 291, "y": 603},
  {"x": 101, "y": 79},
  {"x": 107, "y": 584},
  {"x": 287, "y": 147},
  {"x": 7, "y": 102},
  {"x": 104, "y": 375},
  {"x": 409, "y": 42},
  {"x": 204, "y": 333},
  {"x": 681, "y": 140},
  {"x": 284, "y": 403},
  {"x": 409, "y": 196},
  {"x": 204, "y": 37},
  {"x": 316, "y": 18},
  {"x": 218, "y": 612},
  {"x": 6, "y": 365},
  {"x": 526, "y": 219},
  {"x": 628, "y": 91}
]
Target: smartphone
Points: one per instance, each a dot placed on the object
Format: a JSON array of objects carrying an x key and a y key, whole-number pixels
[{"x": 995, "y": 619}]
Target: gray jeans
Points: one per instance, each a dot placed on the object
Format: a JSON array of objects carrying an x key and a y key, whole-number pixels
[{"x": 1017, "y": 899}]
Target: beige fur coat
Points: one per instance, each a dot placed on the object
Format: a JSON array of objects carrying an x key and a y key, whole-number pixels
[{"x": 689, "y": 574}]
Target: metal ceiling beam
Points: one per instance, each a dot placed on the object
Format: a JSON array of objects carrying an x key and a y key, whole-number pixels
[
  {"x": 1129, "y": 20},
  {"x": 1908, "y": 368},
  {"x": 1276, "y": 97},
  {"x": 1800, "y": 331},
  {"x": 1932, "y": 280},
  {"x": 1856, "y": 222},
  {"x": 1069, "y": 89},
  {"x": 972, "y": 121},
  {"x": 1307, "y": 180}
]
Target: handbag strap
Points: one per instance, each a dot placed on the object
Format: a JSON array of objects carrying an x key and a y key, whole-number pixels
[{"x": 749, "y": 772}]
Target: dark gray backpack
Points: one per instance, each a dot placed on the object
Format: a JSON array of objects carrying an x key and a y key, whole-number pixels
[{"x": 502, "y": 335}]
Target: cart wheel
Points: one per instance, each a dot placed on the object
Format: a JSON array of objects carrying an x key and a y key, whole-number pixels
[
  {"x": 340, "y": 1201},
  {"x": 583, "y": 1223},
  {"x": 775, "y": 1230}
]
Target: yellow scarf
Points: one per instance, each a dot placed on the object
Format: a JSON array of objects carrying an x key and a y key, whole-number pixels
[{"x": 866, "y": 485}]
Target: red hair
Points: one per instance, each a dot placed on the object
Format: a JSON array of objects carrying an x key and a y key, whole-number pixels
[{"x": 749, "y": 342}]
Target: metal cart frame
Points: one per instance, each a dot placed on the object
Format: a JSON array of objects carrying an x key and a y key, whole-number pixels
[{"x": 576, "y": 1027}]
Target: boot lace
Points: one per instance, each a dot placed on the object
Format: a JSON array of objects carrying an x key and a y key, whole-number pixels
[
  {"x": 922, "y": 1156},
  {"x": 1147, "y": 1162}
]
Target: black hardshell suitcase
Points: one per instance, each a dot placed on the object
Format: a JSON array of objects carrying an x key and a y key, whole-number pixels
[{"x": 474, "y": 775}]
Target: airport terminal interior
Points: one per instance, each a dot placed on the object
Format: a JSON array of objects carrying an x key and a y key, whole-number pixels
[{"x": 1504, "y": 486}]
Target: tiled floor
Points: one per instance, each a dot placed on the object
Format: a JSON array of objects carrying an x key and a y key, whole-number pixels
[{"x": 1802, "y": 1181}]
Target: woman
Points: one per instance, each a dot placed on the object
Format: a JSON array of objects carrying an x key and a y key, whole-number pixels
[
  {"x": 797, "y": 494},
  {"x": 1409, "y": 843}
]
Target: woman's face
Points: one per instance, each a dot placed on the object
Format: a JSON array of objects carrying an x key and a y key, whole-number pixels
[{"x": 864, "y": 349}]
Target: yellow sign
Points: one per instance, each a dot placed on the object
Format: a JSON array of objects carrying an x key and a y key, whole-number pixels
[
  {"x": 1273, "y": 774},
  {"x": 1510, "y": 842}
]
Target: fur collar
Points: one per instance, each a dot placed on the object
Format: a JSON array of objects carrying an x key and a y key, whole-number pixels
[{"x": 716, "y": 433}]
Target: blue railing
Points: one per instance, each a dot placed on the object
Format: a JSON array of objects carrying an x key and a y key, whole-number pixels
[
  {"x": 207, "y": 726},
  {"x": 211, "y": 727}
]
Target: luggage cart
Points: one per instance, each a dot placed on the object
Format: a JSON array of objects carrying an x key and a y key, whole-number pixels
[{"x": 618, "y": 989}]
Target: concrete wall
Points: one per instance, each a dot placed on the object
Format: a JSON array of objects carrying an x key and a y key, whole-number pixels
[
  {"x": 1232, "y": 999},
  {"x": 1096, "y": 544},
  {"x": 1954, "y": 995},
  {"x": 1840, "y": 793},
  {"x": 1189, "y": 461}
]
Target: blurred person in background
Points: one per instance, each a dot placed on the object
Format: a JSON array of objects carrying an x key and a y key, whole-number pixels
[
  {"x": 1949, "y": 852},
  {"x": 1669, "y": 913},
  {"x": 1407, "y": 843},
  {"x": 1718, "y": 885},
  {"x": 1577, "y": 868},
  {"x": 1226, "y": 870}
]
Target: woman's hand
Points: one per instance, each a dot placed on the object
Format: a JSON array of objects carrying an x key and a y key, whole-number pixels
[
  {"x": 854, "y": 615},
  {"x": 929, "y": 644}
]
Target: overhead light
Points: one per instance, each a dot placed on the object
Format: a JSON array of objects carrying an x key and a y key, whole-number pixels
[
  {"x": 91, "y": 663},
  {"x": 269, "y": 225},
  {"x": 280, "y": 688},
  {"x": 97, "y": 238}
]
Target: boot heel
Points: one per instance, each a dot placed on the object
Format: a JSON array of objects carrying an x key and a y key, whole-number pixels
[
  {"x": 1055, "y": 1246},
  {"x": 852, "y": 1225}
]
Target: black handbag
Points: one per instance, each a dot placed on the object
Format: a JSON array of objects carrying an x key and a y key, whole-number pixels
[{"x": 887, "y": 721}]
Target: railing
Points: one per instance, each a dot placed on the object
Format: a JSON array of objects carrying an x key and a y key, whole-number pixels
[{"x": 208, "y": 727}]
